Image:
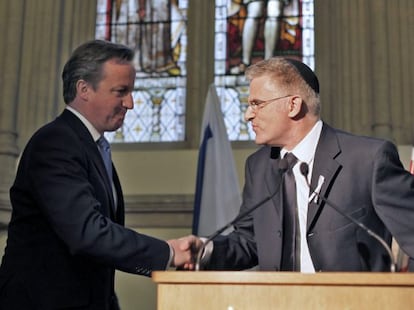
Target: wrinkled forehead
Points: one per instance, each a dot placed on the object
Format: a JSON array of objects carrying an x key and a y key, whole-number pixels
[{"x": 268, "y": 82}]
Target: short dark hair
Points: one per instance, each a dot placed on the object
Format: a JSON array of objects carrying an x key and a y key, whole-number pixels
[{"x": 86, "y": 63}]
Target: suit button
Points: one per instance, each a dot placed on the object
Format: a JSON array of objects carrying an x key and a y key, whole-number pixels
[{"x": 279, "y": 233}]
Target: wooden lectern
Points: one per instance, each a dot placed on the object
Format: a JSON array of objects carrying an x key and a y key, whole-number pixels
[{"x": 251, "y": 290}]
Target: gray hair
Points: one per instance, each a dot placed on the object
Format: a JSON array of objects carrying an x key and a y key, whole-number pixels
[{"x": 288, "y": 77}]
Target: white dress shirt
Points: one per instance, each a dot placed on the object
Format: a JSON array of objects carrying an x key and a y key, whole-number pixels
[{"x": 304, "y": 152}]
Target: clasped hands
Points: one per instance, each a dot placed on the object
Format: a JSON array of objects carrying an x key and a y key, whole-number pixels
[{"x": 185, "y": 250}]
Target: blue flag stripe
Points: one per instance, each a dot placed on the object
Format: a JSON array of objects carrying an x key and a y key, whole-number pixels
[{"x": 200, "y": 178}]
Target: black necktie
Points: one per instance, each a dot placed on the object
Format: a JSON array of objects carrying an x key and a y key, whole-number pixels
[
  {"x": 291, "y": 236},
  {"x": 105, "y": 150}
]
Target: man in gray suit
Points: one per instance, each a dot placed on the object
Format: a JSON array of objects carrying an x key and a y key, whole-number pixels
[
  {"x": 66, "y": 236},
  {"x": 361, "y": 176}
]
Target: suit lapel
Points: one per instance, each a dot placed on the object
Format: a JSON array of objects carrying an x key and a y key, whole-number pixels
[
  {"x": 324, "y": 166},
  {"x": 120, "y": 214},
  {"x": 93, "y": 151},
  {"x": 273, "y": 179}
]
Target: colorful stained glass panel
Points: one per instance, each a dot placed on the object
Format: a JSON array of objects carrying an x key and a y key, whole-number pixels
[
  {"x": 156, "y": 30},
  {"x": 247, "y": 31}
]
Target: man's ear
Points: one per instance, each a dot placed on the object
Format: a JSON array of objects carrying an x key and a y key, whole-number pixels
[
  {"x": 295, "y": 106},
  {"x": 83, "y": 89}
]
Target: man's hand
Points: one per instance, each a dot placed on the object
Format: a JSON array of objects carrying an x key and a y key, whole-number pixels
[{"x": 185, "y": 251}]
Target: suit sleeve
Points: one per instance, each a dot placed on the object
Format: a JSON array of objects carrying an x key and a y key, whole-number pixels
[
  {"x": 393, "y": 196},
  {"x": 237, "y": 250},
  {"x": 70, "y": 194}
]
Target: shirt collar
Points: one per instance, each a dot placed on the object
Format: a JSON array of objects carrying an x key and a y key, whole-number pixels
[
  {"x": 305, "y": 150},
  {"x": 92, "y": 130}
]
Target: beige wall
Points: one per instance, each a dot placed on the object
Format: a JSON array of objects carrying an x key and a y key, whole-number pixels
[{"x": 164, "y": 172}]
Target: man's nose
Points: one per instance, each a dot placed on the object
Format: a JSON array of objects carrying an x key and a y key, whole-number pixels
[
  {"x": 249, "y": 114},
  {"x": 128, "y": 101}
]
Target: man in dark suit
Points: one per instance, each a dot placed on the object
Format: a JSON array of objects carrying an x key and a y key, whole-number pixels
[
  {"x": 66, "y": 236},
  {"x": 361, "y": 176}
]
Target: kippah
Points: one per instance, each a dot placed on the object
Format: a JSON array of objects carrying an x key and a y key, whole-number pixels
[{"x": 306, "y": 73}]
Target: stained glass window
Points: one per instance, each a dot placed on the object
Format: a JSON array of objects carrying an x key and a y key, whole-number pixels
[
  {"x": 250, "y": 30},
  {"x": 245, "y": 32},
  {"x": 156, "y": 30}
]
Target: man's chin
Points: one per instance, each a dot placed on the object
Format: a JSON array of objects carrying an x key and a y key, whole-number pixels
[
  {"x": 259, "y": 141},
  {"x": 118, "y": 124}
]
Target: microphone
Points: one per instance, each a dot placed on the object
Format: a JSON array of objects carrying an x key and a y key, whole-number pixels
[
  {"x": 283, "y": 166},
  {"x": 304, "y": 170}
]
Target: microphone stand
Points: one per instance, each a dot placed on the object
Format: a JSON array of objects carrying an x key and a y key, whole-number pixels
[
  {"x": 304, "y": 170},
  {"x": 228, "y": 225},
  {"x": 282, "y": 167}
]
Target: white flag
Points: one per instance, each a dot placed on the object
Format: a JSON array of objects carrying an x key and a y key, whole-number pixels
[{"x": 217, "y": 197}]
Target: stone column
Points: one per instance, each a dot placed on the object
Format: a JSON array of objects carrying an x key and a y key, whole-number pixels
[
  {"x": 200, "y": 63},
  {"x": 11, "y": 16},
  {"x": 52, "y": 30},
  {"x": 38, "y": 36},
  {"x": 364, "y": 61}
]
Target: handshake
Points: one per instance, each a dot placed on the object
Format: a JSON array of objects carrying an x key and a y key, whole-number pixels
[{"x": 185, "y": 251}]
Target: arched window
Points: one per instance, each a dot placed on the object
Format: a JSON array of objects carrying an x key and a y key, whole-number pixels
[{"x": 245, "y": 32}]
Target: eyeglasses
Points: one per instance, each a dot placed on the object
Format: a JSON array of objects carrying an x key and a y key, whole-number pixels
[{"x": 258, "y": 104}]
